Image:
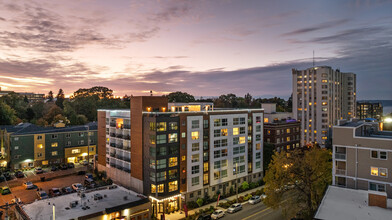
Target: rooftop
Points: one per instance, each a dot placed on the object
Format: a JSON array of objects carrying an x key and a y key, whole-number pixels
[
  {"x": 113, "y": 200},
  {"x": 28, "y": 128},
  {"x": 343, "y": 203}
]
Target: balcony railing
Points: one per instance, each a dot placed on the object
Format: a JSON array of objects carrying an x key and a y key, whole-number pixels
[
  {"x": 340, "y": 172},
  {"x": 112, "y": 154},
  {"x": 120, "y": 146},
  {"x": 340, "y": 156},
  {"x": 126, "y": 147},
  {"x": 112, "y": 135},
  {"x": 112, "y": 164},
  {"x": 127, "y": 159},
  {"x": 127, "y": 137},
  {"x": 113, "y": 124},
  {"x": 112, "y": 144},
  {"x": 127, "y": 170},
  {"x": 119, "y": 135},
  {"x": 127, "y": 126},
  {"x": 119, "y": 157},
  {"x": 119, "y": 167}
]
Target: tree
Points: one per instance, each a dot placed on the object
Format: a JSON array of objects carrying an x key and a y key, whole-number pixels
[
  {"x": 268, "y": 151},
  {"x": 30, "y": 114},
  {"x": 60, "y": 99},
  {"x": 50, "y": 96},
  {"x": 42, "y": 122},
  {"x": 7, "y": 114},
  {"x": 300, "y": 178},
  {"x": 180, "y": 97},
  {"x": 53, "y": 112},
  {"x": 245, "y": 185},
  {"x": 99, "y": 91},
  {"x": 25, "y": 99},
  {"x": 248, "y": 99}
]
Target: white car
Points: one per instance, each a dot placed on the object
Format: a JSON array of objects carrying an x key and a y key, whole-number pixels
[
  {"x": 234, "y": 208},
  {"x": 254, "y": 200},
  {"x": 28, "y": 185},
  {"x": 77, "y": 186},
  {"x": 217, "y": 214},
  {"x": 263, "y": 196}
]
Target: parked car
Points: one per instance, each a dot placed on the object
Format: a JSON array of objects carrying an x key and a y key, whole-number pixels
[
  {"x": 42, "y": 195},
  {"x": 217, "y": 214},
  {"x": 263, "y": 196},
  {"x": 204, "y": 216},
  {"x": 77, "y": 186},
  {"x": 39, "y": 170},
  {"x": 63, "y": 167},
  {"x": 88, "y": 176},
  {"x": 28, "y": 185},
  {"x": 19, "y": 174},
  {"x": 254, "y": 200},
  {"x": 67, "y": 190},
  {"x": 2, "y": 178},
  {"x": 71, "y": 165},
  {"x": 89, "y": 183},
  {"x": 54, "y": 192},
  {"x": 7, "y": 175},
  {"x": 5, "y": 190},
  {"x": 84, "y": 162},
  {"x": 54, "y": 168},
  {"x": 234, "y": 208}
]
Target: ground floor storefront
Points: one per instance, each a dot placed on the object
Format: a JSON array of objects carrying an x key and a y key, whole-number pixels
[{"x": 166, "y": 205}]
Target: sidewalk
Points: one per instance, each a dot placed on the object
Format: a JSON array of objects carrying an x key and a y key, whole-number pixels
[{"x": 181, "y": 214}]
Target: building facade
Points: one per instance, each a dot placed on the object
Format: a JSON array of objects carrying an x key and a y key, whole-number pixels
[
  {"x": 321, "y": 97},
  {"x": 177, "y": 157},
  {"x": 28, "y": 146},
  {"x": 367, "y": 109},
  {"x": 362, "y": 157}
]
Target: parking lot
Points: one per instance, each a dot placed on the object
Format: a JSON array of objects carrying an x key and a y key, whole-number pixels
[{"x": 53, "y": 179}]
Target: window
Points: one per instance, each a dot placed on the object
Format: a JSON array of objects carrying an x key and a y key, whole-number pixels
[
  {"x": 172, "y": 174},
  {"x": 81, "y": 142},
  {"x": 217, "y": 122},
  {"x": 55, "y": 144},
  {"x": 153, "y": 151},
  {"x": 205, "y": 123},
  {"x": 217, "y": 133},
  {"x": 152, "y": 139},
  {"x": 205, "y": 166},
  {"x": 288, "y": 139},
  {"x": 205, "y": 179},
  {"x": 195, "y": 181},
  {"x": 195, "y": 169},
  {"x": 161, "y": 164},
  {"x": 173, "y": 150},
  {"x": 224, "y": 122},
  {"x": 195, "y": 135},
  {"x": 242, "y": 140},
  {"x": 195, "y": 147},
  {"x": 236, "y": 131},
  {"x": 258, "y": 128},
  {"x": 376, "y": 187},
  {"x": 195, "y": 124},
  {"x": 240, "y": 159},
  {"x": 258, "y": 119},
  {"x": 162, "y": 151},
  {"x": 161, "y": 188},
  {"x": 242, "y": 130},
  {"x": 242, "y": 121},
  {"x": 224, "y": 153},
  {"x": 195, "y": 158},
  {"x": 152, "y": 164},
  {"x": 258, "y": 164},
  {"x": 378, "y": 154},
  {"x": 258, "y": 137},
  {"x": 383, "y": 172},
  {"x": 236, "y": 140},
  {"x": 236, "y": 121},
  {"x": 161, "y": 139},
  {"x": 173, "y": 161},
  {"x": 173, "y": 126},
  {"x": 16, "y": 138},
  {"x": 39, "y": 146},
  {"x": 288, "y": 130},
  {"x": 161, "y": 126},
  {"x": 374, "y": 154},
  {"x": 152, "y": 126},
  {"x": 258, "y": 155},
  {"x": 54, "y": 153},
  {"x": 81, "y": 134},
  {"x": 277, "y": 132},
  {"x": 383, "y": 155},
  {"x": 39, "y": 137},
  {"x": 183, "y": 134},
  {"x": 173, "y": 186},
  {"x": 75, "y": 151},
  {"x": 161, "y": 176},
  {"x": 238, "y": 150},
  {"x": 223, "y": 132},
  {"x": 16, "y": 147},
  {"x": 241, "y": 169},
  {"x": 224, "y": 142},
  {"x": 54, "y": 136},
  {"x": 374, "y": 171},
  {"x": 173, "y": 138},
  {"x": 217, "y": 143}
]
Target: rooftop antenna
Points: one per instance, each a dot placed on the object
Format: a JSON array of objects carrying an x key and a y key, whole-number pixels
[{"x": 313, "y": 58}]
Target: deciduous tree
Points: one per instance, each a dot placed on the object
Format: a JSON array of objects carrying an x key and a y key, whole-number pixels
[
  {"x": 7, "y": 114},
  {"x": 299, "y": 178},
  {"x": 180, "y": 97}
]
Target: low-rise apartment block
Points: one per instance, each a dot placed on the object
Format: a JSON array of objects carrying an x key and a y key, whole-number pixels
[
  {"x": 176, "y": 157},
  {"x": 362, "y": 157},
  {"x": 27, "y": 145}
]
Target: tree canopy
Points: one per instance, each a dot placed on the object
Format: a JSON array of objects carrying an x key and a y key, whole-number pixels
[
  {"x": 7, "y": 114},
  {"x": 180, "y": 97},
  {"x": 99, "y": 91},
  {"x": 299, "y": 178}
]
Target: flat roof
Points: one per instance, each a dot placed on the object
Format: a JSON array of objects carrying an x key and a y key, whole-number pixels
[
  {"x": 113, "y": 201},
  {"x": 343, "y": 203}
]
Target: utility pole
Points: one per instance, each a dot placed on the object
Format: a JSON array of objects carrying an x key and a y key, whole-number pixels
[{"x": 236, "y": 179}]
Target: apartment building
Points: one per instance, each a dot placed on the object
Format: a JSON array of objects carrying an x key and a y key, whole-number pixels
[
  {"x": 27, "y": 145},
  {"x": 362, "y": 157},
  {"x": 321, "y": 97},
  {"x": 280, "y": 129},
  {"x": 176, "y": 157},
  {"x": 367, "y": 109}
]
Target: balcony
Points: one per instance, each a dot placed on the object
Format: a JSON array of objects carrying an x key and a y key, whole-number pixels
[
  {"x": 119, "y": 146},
  {"x": 127, "y": 170},
  {"x": 119, "y": 167},
  {"x": 127, "y": 137},
  {"x": 126, "y": 147},
  {"x": 112, "y": 124},
  {"x": 112, "y": 135},
  {"x": 112, "y": 154},
  {"x": 112, "y": 144},
  {"x": 112, "y": 164},
  {"x": 127, "y": 126},
  {"x": 119, "y": 135},
  {"x": 127, "y": 159},
  {"x": 120, "y": 157},
  {"x": 340, "y": 156},
  {"x": 340, "y": 172}
]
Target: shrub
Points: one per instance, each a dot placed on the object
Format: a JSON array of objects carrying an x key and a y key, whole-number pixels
[
  {"x": 200, "y": 202},
  {"x": 253, "y": 185},
  {"x": 109, "y": 181},
  {"x": 247, "y": 197},
  {"x": 191, "y": 204},
  {"x": 241, "y": 199},
  {"x": 245, "y": 185},
  {"x": 212, "y": 209}
]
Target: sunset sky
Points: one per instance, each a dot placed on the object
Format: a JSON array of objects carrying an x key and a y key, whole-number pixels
[{"x": 205, "y": 48}]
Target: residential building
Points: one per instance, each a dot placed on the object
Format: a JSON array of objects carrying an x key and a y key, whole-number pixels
[
  {"x": 362, "y": 157},
  {"x": 111, "y": 202},
  {"x": 321, "y": 97},
  {"x": 191, "y": 106},
  {"x": 33, "y": 97},
  {"x": 280, "y": 129},
  {"x": 177, "y": 157},
  {"x": 368, "y": 109},
  {"x": 27, "y": 145}
]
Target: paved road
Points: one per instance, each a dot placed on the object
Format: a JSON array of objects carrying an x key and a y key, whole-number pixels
[{"x": 257, "y": 211}]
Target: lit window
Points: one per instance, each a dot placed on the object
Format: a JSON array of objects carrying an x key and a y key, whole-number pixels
[
  {"x": 195, "y": 135},
  {"x": 54, "y": 153},
  {"x": 173, "y": 161},
  {"x": 265, "y": 120},
  {"x": 224, "y": 132},
  {"x": 40, "y": 146},
  {"x": 173, "y": 138},
  {"x": 195, "y": 158},
  {"x": 383, "y": 172},
  {"x": 242, "y": 140},
  {"x": 76, "y": 151},
  {"x": 195, "y": 147},
  {"x": 55, "y": 144},
  {"x": 183, "y": 158},
  {"x": 173, "y": 186},
  {"x": 374, "y": 171},
  {"x": 236, "y": 131},
  {"x": 161, "y": 139},
  {"x": 288, "y": 130},
  {"x": 258, "y": 146},
  {"x": 161, "y": 126}
]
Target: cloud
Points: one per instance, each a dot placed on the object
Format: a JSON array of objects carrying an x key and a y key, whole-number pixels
[{"x": 318, "y": 27}]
